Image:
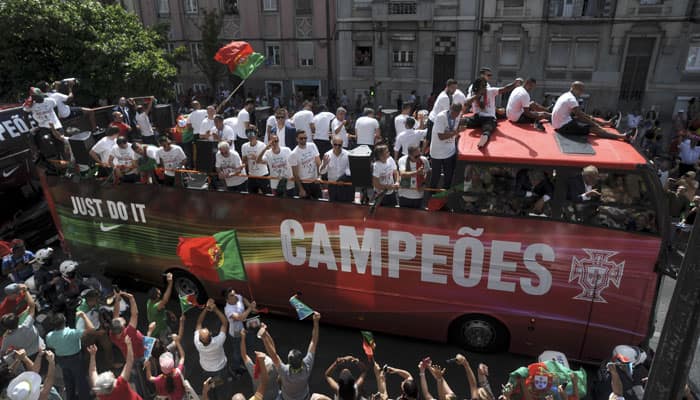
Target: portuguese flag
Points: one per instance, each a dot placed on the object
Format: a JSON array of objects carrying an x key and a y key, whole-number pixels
[
  {"x": 368, "y": 344},
  {"x": 214, "y": 258},
  {"x": 240, "y": 58},
  {"x": 188, "y": 302}
]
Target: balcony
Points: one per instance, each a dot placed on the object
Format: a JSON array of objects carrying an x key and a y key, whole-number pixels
[
  {"x": 581, "y": 9},
  {"x": 402, "y": 10}
]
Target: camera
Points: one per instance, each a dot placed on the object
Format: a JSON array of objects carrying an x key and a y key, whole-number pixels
[
  {"x": 252, "y": 323},
  {"x": 69, "y": 80}
]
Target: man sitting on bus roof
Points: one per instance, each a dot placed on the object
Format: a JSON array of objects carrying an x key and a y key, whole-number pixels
[
  {"x": 483, "y": 102},
  {"x": 581, "y": 123},
  {"x": 522, "y": 110}
]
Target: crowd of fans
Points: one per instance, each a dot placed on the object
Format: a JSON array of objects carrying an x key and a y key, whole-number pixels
[{"x": 103, "y": 353}]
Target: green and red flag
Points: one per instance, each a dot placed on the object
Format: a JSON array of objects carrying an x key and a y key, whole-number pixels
[
  {"x": 368, "y": 344},
  {"x": 188, "y": 302},
  {"x": 303, "y": 311},
  {"x": 240, "y": 58},
  {"x": 183, "y": 133},
  {"x": 215, "y": 258}
]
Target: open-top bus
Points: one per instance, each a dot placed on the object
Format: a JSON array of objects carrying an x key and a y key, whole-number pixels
[{"x": 496, "y": 272}]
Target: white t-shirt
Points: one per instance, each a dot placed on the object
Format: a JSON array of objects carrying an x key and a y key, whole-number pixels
[
  {"x": 442, "y": 149},
  {"x": 234, "y": 327},
  {"x": 195, "y": 119},
  {"x": 517, "y": 102},
  {"x": 232, "y": 122},
  {"x": 400, "y": 123},
  {"x": 60, "y": 99},
  {"x": 302, "y": 120},
  {"x": 490, "y": 106},
  {"x": 384, "y": 171},
  {"x": 281, "y": 134},
  {"x": 279, "y": 166},
  {"x": 103, "y": 148},
  {"x": 322, "y": 122},
  {"x": 442, "y": 103},
  {"x": 364, "y": 129},
  {"x": 123, "y": 157},
  {"x": 43, "y": 113},
  {"x": 144, "y": 123},
  {"x": 206, "y": 126},
  {"x": 343, "y": 132},
  {"x": 228, "y": 164},
  {"x": 561, "y": 114},
  {"x": 415, "y": 192},
  {"x": 269, "y": 124},
  {"x": 251, "y": 154},
  {"x": 172, "y": 159},
  {"x": 337, "y": 165},
  {"x": 407, "y": 138},
  {"x": 243, "y": 117},
  {"x": 212, "y": 357},
  {"x": 225, "y": 134},
  {"x": 305, "y": 159}
]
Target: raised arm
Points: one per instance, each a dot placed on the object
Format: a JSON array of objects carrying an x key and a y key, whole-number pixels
[
  {"x": 471, "y": 379},
  {"x": 425, "y": 391},
  {"x": 50, "y": 376},
  {"x": 314, "y": 333},
  {"x": 381, "y": 381},
  {"x": 507, "y": 88},
  {"x": 134, "y": 310},
  {"x": 222, "y": 318},
  {"x": 149, "y": 105},
  {"x": 400, "y": 372},
  {"x": 180, "y": 350},
  {"x": 363, "y": 374},
  {"x": 181, "y": 327},
  {"x": 92, "y": 366},
  {"x": 329, "y": 374},
  {"x": 129, "y": 362},
  {"x": 264, "y": 377},
  {"x": 117, "y": 305},
  {"x": 88, "y": 324},
  {"x": 149, "y": 375},
  {"x": 269, "y": 344},
  {"x": 615, "y": 381},
  {"x": 31, "y": 304},
  {"x": 202, "y": 314},
  {"x": 244, "y": 349},
  {"x": 168, "y": 292}
]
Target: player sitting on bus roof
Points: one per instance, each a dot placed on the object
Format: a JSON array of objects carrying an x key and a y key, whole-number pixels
[
  {"x": 483, "y": 102},
  {"x": 581, "y": 123},
  {"x": 522, "y": 110}
]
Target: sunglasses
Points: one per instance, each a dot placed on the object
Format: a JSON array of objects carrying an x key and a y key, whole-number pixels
[{"x": 337, "y": 145}]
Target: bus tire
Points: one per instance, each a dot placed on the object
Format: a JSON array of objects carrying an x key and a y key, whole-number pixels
[
  {"x": 479, "y": 333},
  {"x": 185, "y": 283}
]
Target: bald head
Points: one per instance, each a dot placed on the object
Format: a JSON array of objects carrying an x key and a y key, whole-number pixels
[
  {"x": 204, "y": 336},
  {"x": 577, "y": 88}
]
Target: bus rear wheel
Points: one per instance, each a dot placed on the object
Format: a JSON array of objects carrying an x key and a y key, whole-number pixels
[
  {"x": 479, "y": 333},
  {"x": 186, "y": 284}
]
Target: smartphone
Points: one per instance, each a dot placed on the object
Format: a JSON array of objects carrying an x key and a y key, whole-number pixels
[
  {"x": 252, "y": 323},
  {"x": 385, "y": 368}
]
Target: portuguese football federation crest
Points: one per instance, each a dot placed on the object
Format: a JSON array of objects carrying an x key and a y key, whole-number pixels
[{"x": 595, "y": 274}]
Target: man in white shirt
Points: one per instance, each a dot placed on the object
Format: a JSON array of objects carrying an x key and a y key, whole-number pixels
[
  {"x": 219, "y": 131},
  {"x": 414, "y": 170},
  {"x": 400, "y": 120},
  {"x": 689, "y": 153},
  {"x": 123, "y": 160},
  {"x": 321, "y": 125},
  {"x": 143, "y": 122},
  {"x": 442, "y": 148},
  {"x": 367, "y": 129},
  {"x": 65, "y": 111},
  {"x": 249, "y": 154},
  {"x": 286, "y": 134},
  {"x": 42, "y": 109},
  {"x": 243, "y": 123},
  {"x": 212, "y": 356},
  {"x": 483, "y": 102},
  {"x": 207, "y": 125},
  {"x": 101, "y": 150},
  {"x": 408, "y": 137},
  {"x": 171, "y": 157},
  {"x": 385, "y": 175},
  {"x": 229, "y": 167},
  {"x": 337, "y": 165},
  {"x": 339, "y": 126},
  {"x": 581, "y": 123},
  {"x": 277, "y": 159},
  {"x": 445, "y": 99},
  {"x": 302, "y": 119},
  {"x": 522, "y": 110},
  {"x": 196, "y": 117},
  {"x": 305, "y": 161}
]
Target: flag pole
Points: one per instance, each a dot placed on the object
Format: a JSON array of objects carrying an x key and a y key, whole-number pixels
[{"x": 218, "y": 109}]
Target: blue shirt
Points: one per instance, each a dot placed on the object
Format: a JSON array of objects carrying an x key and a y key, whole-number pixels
[
  {"x": 65, "y": 342},
  {"x": 9, "y": 262}
]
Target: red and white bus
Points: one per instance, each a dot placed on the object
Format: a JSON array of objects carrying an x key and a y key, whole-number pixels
[{"x": 503, "y": 270}]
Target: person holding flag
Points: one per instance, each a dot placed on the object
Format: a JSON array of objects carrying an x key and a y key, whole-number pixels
[{"x": 255, "y": 370}]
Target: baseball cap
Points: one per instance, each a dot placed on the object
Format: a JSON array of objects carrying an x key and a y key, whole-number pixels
[
  {"x": 167, "y": 362},
  {"x": 26, "y": 386},
  {"x": 11, "y": 289}
]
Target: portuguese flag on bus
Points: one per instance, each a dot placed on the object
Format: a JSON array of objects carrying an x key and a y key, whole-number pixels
[
  {"x": 240, "y": 58},
  {"x": 215, "y": 258}
]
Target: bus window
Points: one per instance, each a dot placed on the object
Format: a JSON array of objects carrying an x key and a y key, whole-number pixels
[
  {"x": 504, "y": 191},
  {"x": 623, "y": 203}
]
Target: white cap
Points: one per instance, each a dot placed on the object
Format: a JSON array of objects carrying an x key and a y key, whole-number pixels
[{"x": 26, "y": 386}]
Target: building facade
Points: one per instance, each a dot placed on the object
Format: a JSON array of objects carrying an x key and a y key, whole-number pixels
[
  {"x": 397, "y": 46},
  {"x": 632, "y": 54},
  {"x": 292, "y": 34}
]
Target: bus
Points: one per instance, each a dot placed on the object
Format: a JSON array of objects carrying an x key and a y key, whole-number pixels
[{"x": 508, "y": 266}]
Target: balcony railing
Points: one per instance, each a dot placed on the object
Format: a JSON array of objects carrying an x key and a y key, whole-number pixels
[{"x": 401, "y": 8}]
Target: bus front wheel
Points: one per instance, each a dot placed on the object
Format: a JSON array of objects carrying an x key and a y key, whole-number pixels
[
  {"x": 479, "y": 333},
  {"x": 186, "y": 284}
]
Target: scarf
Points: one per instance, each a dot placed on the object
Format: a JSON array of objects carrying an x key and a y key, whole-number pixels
[{"x": 419, "y": 177}]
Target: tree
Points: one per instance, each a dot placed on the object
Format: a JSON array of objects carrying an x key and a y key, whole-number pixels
[
  {"x": 210, "y": 29},
  {"x": 106, "y": 48}
]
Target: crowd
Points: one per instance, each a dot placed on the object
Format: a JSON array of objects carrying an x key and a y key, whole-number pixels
[{"x": 46, "y": 357}]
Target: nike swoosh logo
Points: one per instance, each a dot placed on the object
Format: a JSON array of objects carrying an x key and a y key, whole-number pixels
[
  {"x": 8, "y": 173},
  {"x": 104, "y": 228}
]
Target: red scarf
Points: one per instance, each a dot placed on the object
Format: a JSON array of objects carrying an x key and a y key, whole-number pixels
[{"x": 419, "y": 176}]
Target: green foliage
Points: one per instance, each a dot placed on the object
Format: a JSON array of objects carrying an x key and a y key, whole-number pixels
[
  {"x": 106, "y": 48},
  {"x": 210, "y": 28}
]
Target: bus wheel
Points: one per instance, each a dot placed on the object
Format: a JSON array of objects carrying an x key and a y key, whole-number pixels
[
  {"x": 186, "y": 284},
  {"x": 479, "y": 333}
]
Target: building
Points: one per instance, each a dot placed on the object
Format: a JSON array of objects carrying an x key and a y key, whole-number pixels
[
  {"x": 292, "y": 34},
  {"x": 632, "y": 54},
  {"x": 397, "y": 46}
]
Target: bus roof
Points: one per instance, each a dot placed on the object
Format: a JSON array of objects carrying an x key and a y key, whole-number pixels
[{"x": 523, "y": 144}]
